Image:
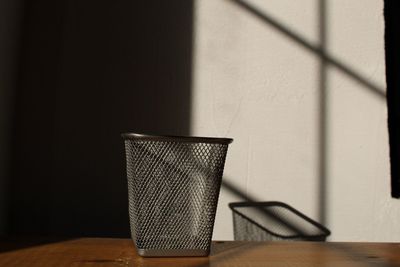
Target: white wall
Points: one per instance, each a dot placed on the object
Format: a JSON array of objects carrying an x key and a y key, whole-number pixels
[{"x": 257, "y": 85}]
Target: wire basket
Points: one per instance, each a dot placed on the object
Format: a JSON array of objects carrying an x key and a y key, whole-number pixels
[
  {"x": 173, "y": 188},
  {"x": 273, "y": 220}
]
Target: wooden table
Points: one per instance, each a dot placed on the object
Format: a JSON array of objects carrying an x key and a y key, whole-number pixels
[{"x": 121, "y": 252}]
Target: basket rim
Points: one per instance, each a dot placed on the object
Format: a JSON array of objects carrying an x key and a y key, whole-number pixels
[{"x": 175, "y": 138}]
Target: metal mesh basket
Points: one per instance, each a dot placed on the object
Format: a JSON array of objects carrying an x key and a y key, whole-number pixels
[
  {"x": 267, "y": 221},
  {"x": 173, "y": 185}
]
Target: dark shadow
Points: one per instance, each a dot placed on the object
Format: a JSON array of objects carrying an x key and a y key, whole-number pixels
[
  {"x": 236, "y": 191},
  {"x": 10, "y": 13},
  {"x": 276, "y": 220},
  {"x": 90, "y": 70},
  {"x": 322, "y": 123},
  {"x": 392, "y": 44},
  {"x": 239, "y": 193}
]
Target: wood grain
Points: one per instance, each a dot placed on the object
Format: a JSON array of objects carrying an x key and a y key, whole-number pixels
[{"x": 121, "y": 252}]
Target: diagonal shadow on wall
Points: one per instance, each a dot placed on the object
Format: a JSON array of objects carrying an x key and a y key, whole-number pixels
[{"x": 325, "y": 60}]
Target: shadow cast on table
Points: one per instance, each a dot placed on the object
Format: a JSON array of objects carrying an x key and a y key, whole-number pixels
[
  {"x": 227, "y": 252},
  {"x": 221, "y": 252},
  {"x": 8, "y": 244},
  {"x": 360, "y": 255}
]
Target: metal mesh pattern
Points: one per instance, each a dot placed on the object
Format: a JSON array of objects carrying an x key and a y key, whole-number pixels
[
  {"x": 173, "y": 192},
  {"x": 268, "y": 221}
]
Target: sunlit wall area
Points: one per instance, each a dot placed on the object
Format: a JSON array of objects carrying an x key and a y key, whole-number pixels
[
  {"x": 359, "y": 172},
  {"x": 300, "y": 87}
]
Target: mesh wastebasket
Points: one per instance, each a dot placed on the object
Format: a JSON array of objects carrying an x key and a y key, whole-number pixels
[
  {"x": 273, "y": 220},
  {"x": 173, "y": 188}
]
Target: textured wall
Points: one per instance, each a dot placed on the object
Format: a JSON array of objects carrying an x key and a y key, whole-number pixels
[{"x": 300, "y": 87}]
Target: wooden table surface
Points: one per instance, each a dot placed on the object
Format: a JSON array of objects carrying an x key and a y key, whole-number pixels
[{"x": 121, "y": 252}]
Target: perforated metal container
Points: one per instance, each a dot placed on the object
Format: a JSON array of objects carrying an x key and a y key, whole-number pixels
[
  {"x": 273, "y": 220},
  {"x": 173, "y": 188}
]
